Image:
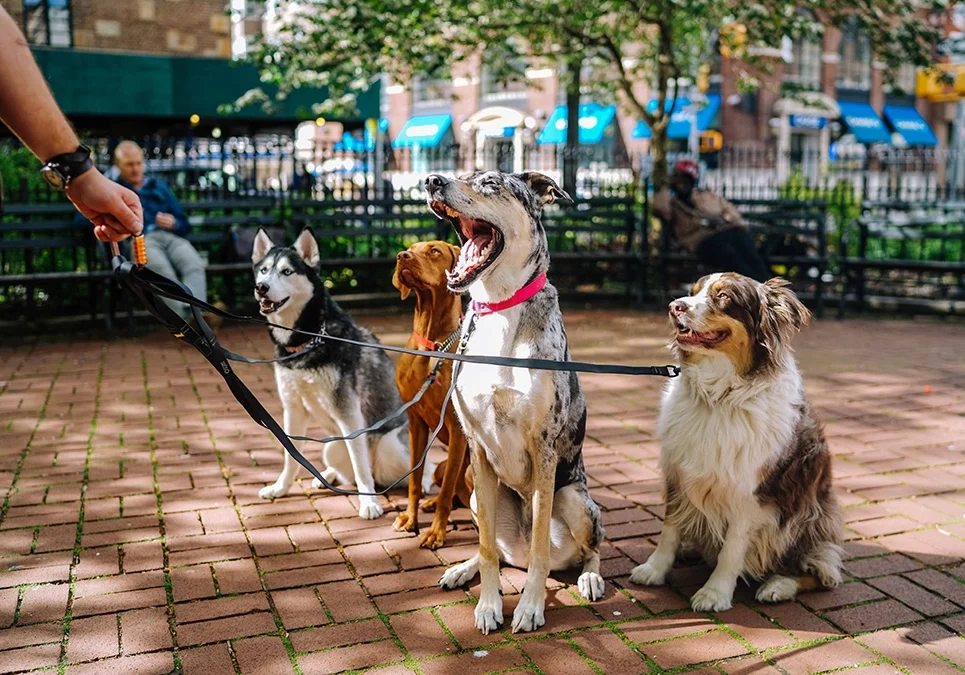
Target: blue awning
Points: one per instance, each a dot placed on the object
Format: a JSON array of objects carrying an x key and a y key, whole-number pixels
[
  {"x": 910, "y": 124},
  {"x": 595, "y": 119},
  {"x": 350, "y": 143},
  {"x": 679, "y": 126},
  {"x": 424, "y": 131},
  {"x": 864, "y": 122}
]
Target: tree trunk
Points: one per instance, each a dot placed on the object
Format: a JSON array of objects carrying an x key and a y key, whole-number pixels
[
  {"x": 658, "y": 152},
  {"x": 665, "y": 68},
  {"x": 571, "y": 153}
]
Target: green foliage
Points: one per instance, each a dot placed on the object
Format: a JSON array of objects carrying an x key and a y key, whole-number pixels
[
  {"x": 16, "y": 166},
  {"x": 348, "y": 44}
]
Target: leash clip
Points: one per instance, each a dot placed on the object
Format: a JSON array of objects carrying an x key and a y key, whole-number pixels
[{"x": 673, "y": 371}]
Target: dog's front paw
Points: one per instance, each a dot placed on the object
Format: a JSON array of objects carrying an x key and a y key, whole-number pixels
[
  {"x": 329, "y": 474},
  {"x": 489, "y": 615},
  {"x": 777, "y": 589},
  {"x": 590, "y": 585},
  {"x": 647, "y": 574},
  {"x": 429, "y": 505},
  {"x": 405, "y": 522},
  {"x": 370, "y": 510},
  {"x": 710, "y": 599},
  {"x": 275, "y": 490},
  {"x": 528, "y": 615},
  {"x": 459, "y": 575},
  {"x": 433, "y": 538}
]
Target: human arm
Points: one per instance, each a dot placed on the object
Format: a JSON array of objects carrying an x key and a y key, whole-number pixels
[
  {"x": 28, "y": 108},
  {"x": 661, "y": 206},
  {"x": 730, "y": 216},
  {"x": 175, "y": 221}
]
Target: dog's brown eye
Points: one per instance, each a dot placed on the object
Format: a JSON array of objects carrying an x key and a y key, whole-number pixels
[
  {"x": 434, "y": 251},
  {"x": 723, "y": 296}
]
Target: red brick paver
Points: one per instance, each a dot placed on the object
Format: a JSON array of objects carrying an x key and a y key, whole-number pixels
[{"x": 132, "y": 539}]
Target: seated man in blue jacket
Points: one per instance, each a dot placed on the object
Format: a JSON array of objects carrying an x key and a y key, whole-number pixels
[{"x": 165, "y": 226}]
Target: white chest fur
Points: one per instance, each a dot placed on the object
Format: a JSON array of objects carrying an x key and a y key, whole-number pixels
[
  {"x": 718, "y": 431},
  {"x": 501, "y": 407},
  {"x": 314, "y": 390}
]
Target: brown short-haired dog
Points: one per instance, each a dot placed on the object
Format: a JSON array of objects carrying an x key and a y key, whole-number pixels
[{"x": 422, "y": 270}]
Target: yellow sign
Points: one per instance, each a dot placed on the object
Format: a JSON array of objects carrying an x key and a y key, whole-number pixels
[
  {"x": 711, "y": 141},
  {"x": 927, "y": 85}
]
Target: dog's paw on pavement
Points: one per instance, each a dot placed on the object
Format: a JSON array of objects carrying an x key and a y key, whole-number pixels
[
  {"x": 274, "y": 491},
  {"x": 590, "y": 585},
  {"x": 370, "y": 510}
]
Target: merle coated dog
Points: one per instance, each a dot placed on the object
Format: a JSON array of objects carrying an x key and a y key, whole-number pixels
[
  {"x": 525, "y": 427},
  {"x": 340, "y": 386}
]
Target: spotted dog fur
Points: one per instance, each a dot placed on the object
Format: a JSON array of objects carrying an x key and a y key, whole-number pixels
[
  {"x": 339, "y": 386},
  {"x": 525, "y": 427},
  {"x": 747, "y": 468}
]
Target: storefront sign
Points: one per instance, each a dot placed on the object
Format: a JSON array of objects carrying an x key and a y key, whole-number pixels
[{"x": 808, "y": 122}]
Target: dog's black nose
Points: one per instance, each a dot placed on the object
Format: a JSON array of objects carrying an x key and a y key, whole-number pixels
[
  {"x": 261, "y": 289},
  {"x": 434, "y": 181},
  {"x": 404, "y": 255},
  {"x": 678, "y": 307}
]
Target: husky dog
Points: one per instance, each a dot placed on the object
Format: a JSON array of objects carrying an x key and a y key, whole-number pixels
[
  {"x": 525, "y": 427},
  {"x": 343, "y": 387}
]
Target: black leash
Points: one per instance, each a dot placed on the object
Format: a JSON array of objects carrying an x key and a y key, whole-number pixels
[
  {"x": 147, "y": 285},
  {"x": 158, "y": 285}
]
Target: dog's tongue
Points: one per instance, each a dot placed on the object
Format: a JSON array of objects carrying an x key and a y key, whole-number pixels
[{"x": 473, "y": 252}]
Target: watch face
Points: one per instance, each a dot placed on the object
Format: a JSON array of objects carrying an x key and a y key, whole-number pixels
[{"x": 53, "y": 178}]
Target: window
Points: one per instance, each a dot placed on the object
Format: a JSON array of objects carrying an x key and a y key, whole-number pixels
[
  {"x": 514, "y": 86},
  {"x": 804, "y": 67},
  {"x": 431, "y": 90},
  {"x": 48, "y": 22},
  {"x": 904, "y": 81},
  {"x": 854, "y": 69}
]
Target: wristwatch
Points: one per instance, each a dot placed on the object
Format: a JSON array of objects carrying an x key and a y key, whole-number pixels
[{"x": 60, "y": 170}]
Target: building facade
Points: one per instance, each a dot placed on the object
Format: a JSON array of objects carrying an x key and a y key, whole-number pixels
[
  {"x": 823, "y": 99},
  {"x": 128, "y": 67}
]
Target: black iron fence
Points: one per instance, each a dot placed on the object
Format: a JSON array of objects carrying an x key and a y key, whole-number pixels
[{"x": 605, "y": 244}]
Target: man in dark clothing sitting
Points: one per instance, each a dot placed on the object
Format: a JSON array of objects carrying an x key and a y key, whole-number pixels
[
  {"x": 707, "y": 224},
  {"x": 165, "y": 226}
]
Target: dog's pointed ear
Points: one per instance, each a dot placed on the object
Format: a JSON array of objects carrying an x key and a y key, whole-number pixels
[
  {"x": 782, "y": 314},
  {"x": 404, "y": 290},
  {"x": 544, "y": 187},
  {"x": 262, "y": 245},
  {"x": 307, "y": 248}
]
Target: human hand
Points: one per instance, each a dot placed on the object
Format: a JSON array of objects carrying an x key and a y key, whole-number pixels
[
  {"x": 114, "y": 210},
  {"x": 165, "y": 221}
]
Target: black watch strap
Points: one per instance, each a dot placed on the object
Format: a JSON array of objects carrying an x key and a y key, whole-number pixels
[{"x": 70, "y": 165}]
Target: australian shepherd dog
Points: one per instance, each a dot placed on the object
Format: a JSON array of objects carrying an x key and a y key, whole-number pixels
[{"x": 747, "y": 468}]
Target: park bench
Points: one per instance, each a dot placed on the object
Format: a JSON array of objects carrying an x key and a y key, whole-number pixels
[
  {"x": 909, "y": 254},
  {"x": 790, "y": 235},
  {"x": 45, "y": 253},
  {"x": 49, "y": 265},
  {"x": 589, "y": 241}
]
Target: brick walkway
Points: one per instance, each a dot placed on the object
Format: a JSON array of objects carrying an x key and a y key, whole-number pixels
[{"x": 132, "y": 539}]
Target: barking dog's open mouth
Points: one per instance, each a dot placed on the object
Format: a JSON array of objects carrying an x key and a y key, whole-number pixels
[
  {"x": 482, "y": 242},
  {"x": 688, "y": 336},
  {"x": 266, "y": 306}
]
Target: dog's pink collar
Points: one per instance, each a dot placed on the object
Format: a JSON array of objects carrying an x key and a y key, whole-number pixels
[{"x": 519, "y": 297}]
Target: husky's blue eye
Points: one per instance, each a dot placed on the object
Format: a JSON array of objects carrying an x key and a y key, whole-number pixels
[
  {"x": 287, "y": 272},
  {"x": 263, "y": 270}
]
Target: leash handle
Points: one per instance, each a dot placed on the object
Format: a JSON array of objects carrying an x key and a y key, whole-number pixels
[{"x": 140, "y": 249}]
